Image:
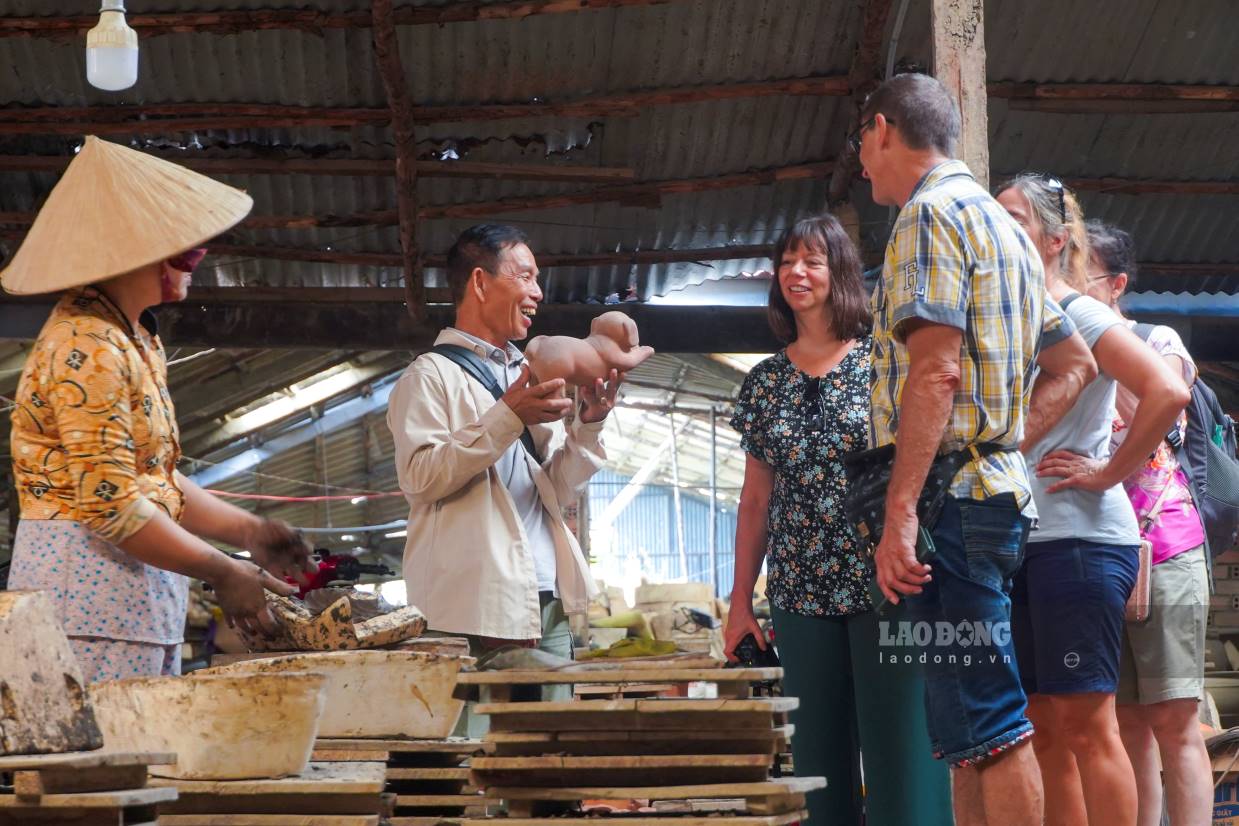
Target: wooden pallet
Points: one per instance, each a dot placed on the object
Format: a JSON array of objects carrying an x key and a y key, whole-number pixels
[
  {"x": 618, "y": 680},
  {"x": 322, "y": 789},
  {"x": 771, "y": 797},
  {"x": 619, "y": 770},
  {"x": 427, "y": 777},
  {"x": 270, "y": 820},
  {"x": 641, "y": 819},
  {"x": 617, "y": 715},
  {"x": 83, "y": 788},
  {"x": 647, "y": 742},
  {"x": 135, "y": 807}
]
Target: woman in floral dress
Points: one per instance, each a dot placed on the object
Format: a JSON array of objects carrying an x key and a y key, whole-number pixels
[{"x": 799, "y": 413}]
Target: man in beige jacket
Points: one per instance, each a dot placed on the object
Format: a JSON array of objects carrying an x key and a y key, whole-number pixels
[{"x": 488, "y": 554}]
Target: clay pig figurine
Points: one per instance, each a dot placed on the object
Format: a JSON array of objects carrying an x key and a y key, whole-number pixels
[{"x": 612, "y": 343}]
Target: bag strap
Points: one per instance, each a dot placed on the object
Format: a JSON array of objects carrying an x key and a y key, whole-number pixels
[
  {"x": 1066, "y": 302},
  {"x": 1144, "y": 330},
  {"x": 1156, "y": 510},
  {"x": 1180, "y": 453},
  {"x": 471, "y": 364}
]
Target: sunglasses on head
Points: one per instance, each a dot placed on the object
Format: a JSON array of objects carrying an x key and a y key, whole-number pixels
[{"x": 1056, "y": 186}]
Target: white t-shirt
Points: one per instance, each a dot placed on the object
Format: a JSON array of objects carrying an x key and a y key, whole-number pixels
[{"x": 1105, "y": 517}]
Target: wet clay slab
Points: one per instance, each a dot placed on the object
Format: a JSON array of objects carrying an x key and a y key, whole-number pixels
[
  {"x": 43, "y": 705},
  {"x": 220, "y": 727},
  {"x": 375, "y": 693}
]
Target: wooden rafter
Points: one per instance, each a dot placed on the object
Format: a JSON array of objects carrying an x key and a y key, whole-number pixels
[
  {"x": 1146, "y": 98},
  {"x": 387, "y": 53},
  {"x": 359, "y": 167},
  {"x": 863, "y": 77},
  {"x": 235, "y": 22},
  {"x": 178, "y": 117},
  {"x": 646, "y": 193}
]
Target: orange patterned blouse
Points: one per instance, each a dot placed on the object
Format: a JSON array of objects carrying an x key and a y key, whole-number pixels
[{"x": 94, "y": 436}]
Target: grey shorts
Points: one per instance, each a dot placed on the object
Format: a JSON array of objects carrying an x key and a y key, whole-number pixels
[{"x": 1163, "y": 658}]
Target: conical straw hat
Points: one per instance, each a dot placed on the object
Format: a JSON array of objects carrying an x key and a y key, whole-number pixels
[{"x": 115, "y": 210}]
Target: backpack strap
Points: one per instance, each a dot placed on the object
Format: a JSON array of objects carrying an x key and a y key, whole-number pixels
[
  {"x": 468, "y": 361},
  {"x": 1144, "y": 330}
]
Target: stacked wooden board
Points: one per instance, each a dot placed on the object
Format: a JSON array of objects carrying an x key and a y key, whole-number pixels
[
  {"x": 325, "y": 794},
  {"x": 678, "y": 757},
  {"x": 426, "y": 779},
  {"x": 82, "y": 788}
]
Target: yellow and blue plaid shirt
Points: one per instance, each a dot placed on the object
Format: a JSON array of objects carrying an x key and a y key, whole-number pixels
[{"x": 956, "y": 257}]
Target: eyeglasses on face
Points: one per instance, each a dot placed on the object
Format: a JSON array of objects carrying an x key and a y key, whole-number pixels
[{"x": 854, "y": 135}]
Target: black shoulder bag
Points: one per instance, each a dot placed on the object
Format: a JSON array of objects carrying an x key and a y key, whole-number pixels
[
  {"x": 474, "y": 366},
  {"x": 869, "y": 476}
]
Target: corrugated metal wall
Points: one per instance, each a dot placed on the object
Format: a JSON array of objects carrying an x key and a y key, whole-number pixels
[{"x": 645, "y": 533}]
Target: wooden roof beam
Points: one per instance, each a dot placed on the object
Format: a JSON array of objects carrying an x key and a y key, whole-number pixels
[
  {"x": 359, "y": 167},
  {"x": 391, "y": 69},
  {"x": 193, "y": 117},
  {"x": 308, "y": 20}
]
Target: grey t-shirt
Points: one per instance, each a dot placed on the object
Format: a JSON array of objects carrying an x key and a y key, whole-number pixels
[{"x": 1073, "y": 513}]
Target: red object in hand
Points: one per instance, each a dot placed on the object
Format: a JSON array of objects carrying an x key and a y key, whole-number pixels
[{"x": 336, "y": 568}]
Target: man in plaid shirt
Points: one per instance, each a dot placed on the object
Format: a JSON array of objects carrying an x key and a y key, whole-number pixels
[{"x": 960, "y": 319}]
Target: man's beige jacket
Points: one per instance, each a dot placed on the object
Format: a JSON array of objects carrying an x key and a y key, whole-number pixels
[{"x": 467, "y": 563}]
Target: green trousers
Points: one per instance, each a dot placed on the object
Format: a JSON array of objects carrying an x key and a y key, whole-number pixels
[
  {"x": 556, "y": 639},
  {"x": 855, "y": 710}
]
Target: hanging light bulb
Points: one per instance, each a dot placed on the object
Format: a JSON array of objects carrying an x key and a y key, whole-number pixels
[{"x": 112, "y": 50}]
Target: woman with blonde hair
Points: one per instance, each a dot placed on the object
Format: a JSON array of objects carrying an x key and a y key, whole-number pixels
[
  {"x": 109, "y": 527},
  {"x": 1081, "y": 563}
]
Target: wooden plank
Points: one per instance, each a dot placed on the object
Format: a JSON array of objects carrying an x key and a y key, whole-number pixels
[
  {"x": 337, "y": 756},
  {"x": 445, "y": 746},
  {"x": 318, "y": 779},
  {"x": 92, "y": 800},
  {"x": 268, "y": 820},
  {"x": 793, "y": 785},
  {"x": 84, "y": 760},
  {"x": 616, "y": 762},
  {"x": 767, "y": 705},
  {"x": 619, "y": 770},
  {"x": 306, "y": 803},
  {"x": 34, "y": 784},
  {"x": 128, "y": 816},
  {"x": 620, "y": 675},
  {"x": 775, "y": 804},
  {"x": 620, "y": 820},
  {"x": 651, "y": 742},
  {"x": 959, "y": 62},
  {"x": 449, "y": 773},
  {"x": 429, "y": 801}
]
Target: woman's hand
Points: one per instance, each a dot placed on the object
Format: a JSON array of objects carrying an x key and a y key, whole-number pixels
[
  {"x": 283, "y": 551},
  {"x": 741, "y": 623},
  {"x": 1076, "y": 471},
  {"x": 241, "y": 591}
]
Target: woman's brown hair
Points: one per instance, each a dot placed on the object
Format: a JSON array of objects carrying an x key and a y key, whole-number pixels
[{"x": 848, "y": 309}]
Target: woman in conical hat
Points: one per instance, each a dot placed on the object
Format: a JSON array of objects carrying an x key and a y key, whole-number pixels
[{"x": 108, "y": 525}]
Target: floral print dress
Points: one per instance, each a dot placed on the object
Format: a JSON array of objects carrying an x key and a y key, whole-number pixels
[{"x": 803, "y": 426}]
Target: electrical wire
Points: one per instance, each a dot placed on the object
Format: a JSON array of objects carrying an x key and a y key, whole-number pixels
[{"x": 270, "y": 498}]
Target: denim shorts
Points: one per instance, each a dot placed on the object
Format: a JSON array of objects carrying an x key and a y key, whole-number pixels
[
  {"x": 1068, "y": 614},
  {"x": 960, "y": 626}
]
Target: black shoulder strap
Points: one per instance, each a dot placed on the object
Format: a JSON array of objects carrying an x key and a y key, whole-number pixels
[
  {"x": 1066, "y": 302},
  {"x": 474, "y": 366}
]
